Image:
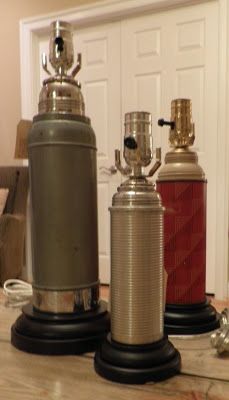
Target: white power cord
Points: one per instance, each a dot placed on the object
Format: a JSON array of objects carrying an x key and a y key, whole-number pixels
[{"x": 17, "y": 292}]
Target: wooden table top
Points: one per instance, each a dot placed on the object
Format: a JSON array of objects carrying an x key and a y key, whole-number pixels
[{"x": 33, "y": 377}]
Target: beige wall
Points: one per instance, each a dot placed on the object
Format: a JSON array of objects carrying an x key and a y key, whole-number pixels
[{"x": 11, "y": 12}]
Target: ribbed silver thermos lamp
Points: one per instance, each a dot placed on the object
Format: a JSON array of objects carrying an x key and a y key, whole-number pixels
[
  {"x": 136, "y": 350},
  {"x": 66, "y": 315}
]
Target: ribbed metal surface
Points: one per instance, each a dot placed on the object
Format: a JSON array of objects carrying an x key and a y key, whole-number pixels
[
  {"x": 61, "y": 105},
  {"x": 136, "y": 274}
]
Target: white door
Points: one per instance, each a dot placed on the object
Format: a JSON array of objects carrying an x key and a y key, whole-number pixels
[
  {"x": 169, "y": 55},
  {"x": 100, "y": 80}
]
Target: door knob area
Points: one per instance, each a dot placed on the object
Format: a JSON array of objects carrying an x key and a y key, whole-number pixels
[{"x": 109, "y": 171}]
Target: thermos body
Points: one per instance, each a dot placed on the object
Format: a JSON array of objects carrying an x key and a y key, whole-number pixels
[
  {"x": 62, "y": 161},
  {"x": 183, "y": 187},
  {"x": 184, "y": 240},
  {"x": 137, "y": 271},
  {"x": 65, "y": 315}
]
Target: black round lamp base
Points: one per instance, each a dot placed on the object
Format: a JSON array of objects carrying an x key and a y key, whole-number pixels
[
  {"x": 137, "y": 364},
  {"x": 58, "y": 334},
  {"x": 190, "y": 319}
]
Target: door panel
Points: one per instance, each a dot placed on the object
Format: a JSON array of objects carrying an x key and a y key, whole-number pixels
[{"x": 100, "y": 79}]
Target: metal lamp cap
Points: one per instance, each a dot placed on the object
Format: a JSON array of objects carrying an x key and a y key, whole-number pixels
[
  {"x": 138, "y": 142},
  {"x": 138, "y": 121},
  {"x": 61, "y": 55},
  {"x": 182, "y": 133}
]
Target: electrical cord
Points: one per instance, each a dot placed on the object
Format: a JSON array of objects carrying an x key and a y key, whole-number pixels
[{"x": 17, "y": 292}]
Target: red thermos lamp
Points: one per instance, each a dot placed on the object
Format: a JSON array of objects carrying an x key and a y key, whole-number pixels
[{"x": 182, "y": 185}]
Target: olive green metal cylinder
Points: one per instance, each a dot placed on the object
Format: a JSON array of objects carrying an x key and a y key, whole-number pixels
[{"x": 62, "y": 163}]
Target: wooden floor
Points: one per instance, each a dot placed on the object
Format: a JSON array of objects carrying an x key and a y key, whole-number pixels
[{"x": 32, "y": 377}]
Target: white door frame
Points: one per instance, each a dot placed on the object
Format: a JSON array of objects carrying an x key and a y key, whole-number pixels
[{"x": 109, "y": 11}]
